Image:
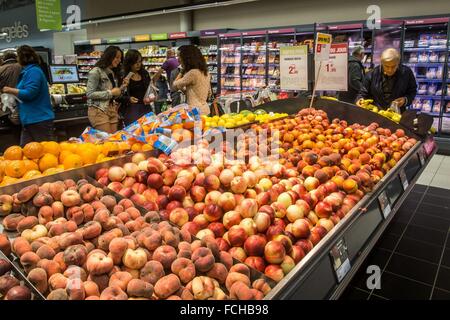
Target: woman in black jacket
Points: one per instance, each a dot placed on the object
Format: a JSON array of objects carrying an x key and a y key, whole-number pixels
[{"x": 133, "y": 107}]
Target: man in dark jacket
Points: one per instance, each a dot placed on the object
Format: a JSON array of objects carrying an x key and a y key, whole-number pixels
[
  {"x": 389, "y": 82},
  {"x": 9, "y": 70},
  {"x": 355, "y": 76}
]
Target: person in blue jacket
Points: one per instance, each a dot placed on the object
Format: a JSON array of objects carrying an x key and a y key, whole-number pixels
[{"x": 35, "y": 108}]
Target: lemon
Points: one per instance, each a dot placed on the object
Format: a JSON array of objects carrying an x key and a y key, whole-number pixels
[{"x": 251, "y": 117}]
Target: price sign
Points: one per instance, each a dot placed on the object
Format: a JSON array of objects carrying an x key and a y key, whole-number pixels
[
  {"x": 294, "y": 68},
  {"x": 333, "y": 72},
  {"x": 404, "y": 179},
  {"x": 323, "y": 45},
  {"x": 384, "y": 204},
  {"x": 340, "y": 260}
]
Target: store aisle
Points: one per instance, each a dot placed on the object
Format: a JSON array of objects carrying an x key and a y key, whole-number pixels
[{"x": 414, "y": 251}]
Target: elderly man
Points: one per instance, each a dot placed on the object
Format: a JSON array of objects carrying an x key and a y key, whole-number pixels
[
  {"x": 389, "y": 82},
  {"x": 355, "y": 75}
]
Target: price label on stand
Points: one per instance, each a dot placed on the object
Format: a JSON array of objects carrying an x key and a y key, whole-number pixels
[
  {"x": 333, "y": 72},
  {"x": 340, "y": 260},
  {"x": 294, "y": 68},
  {"x": 404, "y": 179},
  {"x": 323, "y": 45},
  {"x": 384, "y": 204}
]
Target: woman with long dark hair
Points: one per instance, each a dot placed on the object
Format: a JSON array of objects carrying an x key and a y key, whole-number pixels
[
  {"x": 35, "y": 109},
  {"x": 194, "y": 79},
  {"x": 103, "y": 91},
  {"x": 135, "y": 105}
]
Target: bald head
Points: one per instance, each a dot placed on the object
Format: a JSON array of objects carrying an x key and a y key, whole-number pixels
[
  {"x": 390, "y": 59},
  {"x": 170, "y": 53}
]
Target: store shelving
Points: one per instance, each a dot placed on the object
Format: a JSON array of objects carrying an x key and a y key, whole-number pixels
[{"x": 424, "y": 51}]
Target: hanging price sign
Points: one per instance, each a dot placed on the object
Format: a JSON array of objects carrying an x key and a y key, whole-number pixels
[
  {"x": 294, "y": 68},
  {"x": 333, "y": 73}
]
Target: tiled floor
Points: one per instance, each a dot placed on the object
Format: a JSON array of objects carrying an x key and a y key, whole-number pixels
[{"x": 414, "y": 252}]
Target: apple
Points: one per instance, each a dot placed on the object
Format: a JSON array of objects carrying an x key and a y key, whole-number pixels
[
  {"x": 238, "y": 185},
  {"x": 128, "y": 182},
  {"x": 212, "y": 197},
  {"x": 287, "y": 264},
  {"x": 225, "y": 177},
  {"x": 131, "y": 168},
  {"x": 255, "y": 245},
  {"x": 285, "y": 199},
  {"x": 262, "y": 221},
  {"x": 249, "y": 226},
  {"x": 172, "y": 205},
  {"x": 141, "y": 176},
  {"x": 102, "y": 172},
  {"x": 275, "y": 272},
  {"x": 265, "y": 184},
  {"x": 116, "y": 174},
  {"x": 115, "y": 186},
  {"x": 305, "y": 244},
  {"x": 274, "y": 252},
  {"x": 179, "y": 216},
  {"x": 177, "y": 193},
  {"x": 311, "y": 183},
  {"x": 248, "y": 208},
  {"x": 201, "y": 221},
  {"x": 227, "y": 201},
  {"x": 237, "y": 236},
  {"x": 217, "y": 228},
  {"x": 238, "y": 253},
  {"x": 300, "y": 228},
  {"x": 231, "y": 218},
  {"x": 198, "y": 193},
  {"x": 297, "y": 253},
  {"x": 256, "y": 263},
  {"x": 212, "y": 212}
]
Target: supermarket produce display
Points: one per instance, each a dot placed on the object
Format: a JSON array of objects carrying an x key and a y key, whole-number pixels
[{"x": 331, "y": 180}]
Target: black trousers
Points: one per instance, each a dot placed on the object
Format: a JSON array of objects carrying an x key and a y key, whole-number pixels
[
  {"x": 38, "y": 132},
  {"x": 133, "y": 112}
]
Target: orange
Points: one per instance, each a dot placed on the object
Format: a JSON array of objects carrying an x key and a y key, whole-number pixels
[
  {"x": 72, "y": 161},
  {"x": 63, "y": 155},
  {"x": 48, "y": 161},
  {"x": 50, "y": 171},
  {"x": 13, "y": 153},
  {"x": 51, "y": 147},
  {"x": 136, "y": 147},
  {"x": 15, "y": 169},
  {"x": 124, "y": 147},
  {"x": 33, "y": 150},
  {"x": 147, "y": 147},
  {"x": 110, "y": 148},
  {"x": 72, "y": 147},
  {"x": 8, "y": 180},
  {"x": 30, "y": 165},
  {"x": 88, "y": 154},
  {"x": 32, "y": 174}
]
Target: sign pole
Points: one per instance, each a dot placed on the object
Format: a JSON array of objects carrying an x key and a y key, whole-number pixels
[{"x": 315, "y": 85}]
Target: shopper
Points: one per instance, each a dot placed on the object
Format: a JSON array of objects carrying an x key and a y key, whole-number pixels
[
  {"x": 355, "y": 76},
  {"x": 168, "y": 66},
  {"x": 35, "y": 108},
  {"x": 194, "y": 79},
  {"x": 103, "y": 92},
  {"x": 133, "y": 106},
  {"x": 390, "y": 82},
  {"x": 9, "y": 70}
]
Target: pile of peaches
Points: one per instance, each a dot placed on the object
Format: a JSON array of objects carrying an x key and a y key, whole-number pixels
[
  {"x": 268, "y": 212},
  {"x": 10, "y": 287},
  {"x": 75, "y": 243}
]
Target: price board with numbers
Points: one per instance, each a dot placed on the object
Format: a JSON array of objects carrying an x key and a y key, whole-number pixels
[{"x": 333, "y": 72}]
